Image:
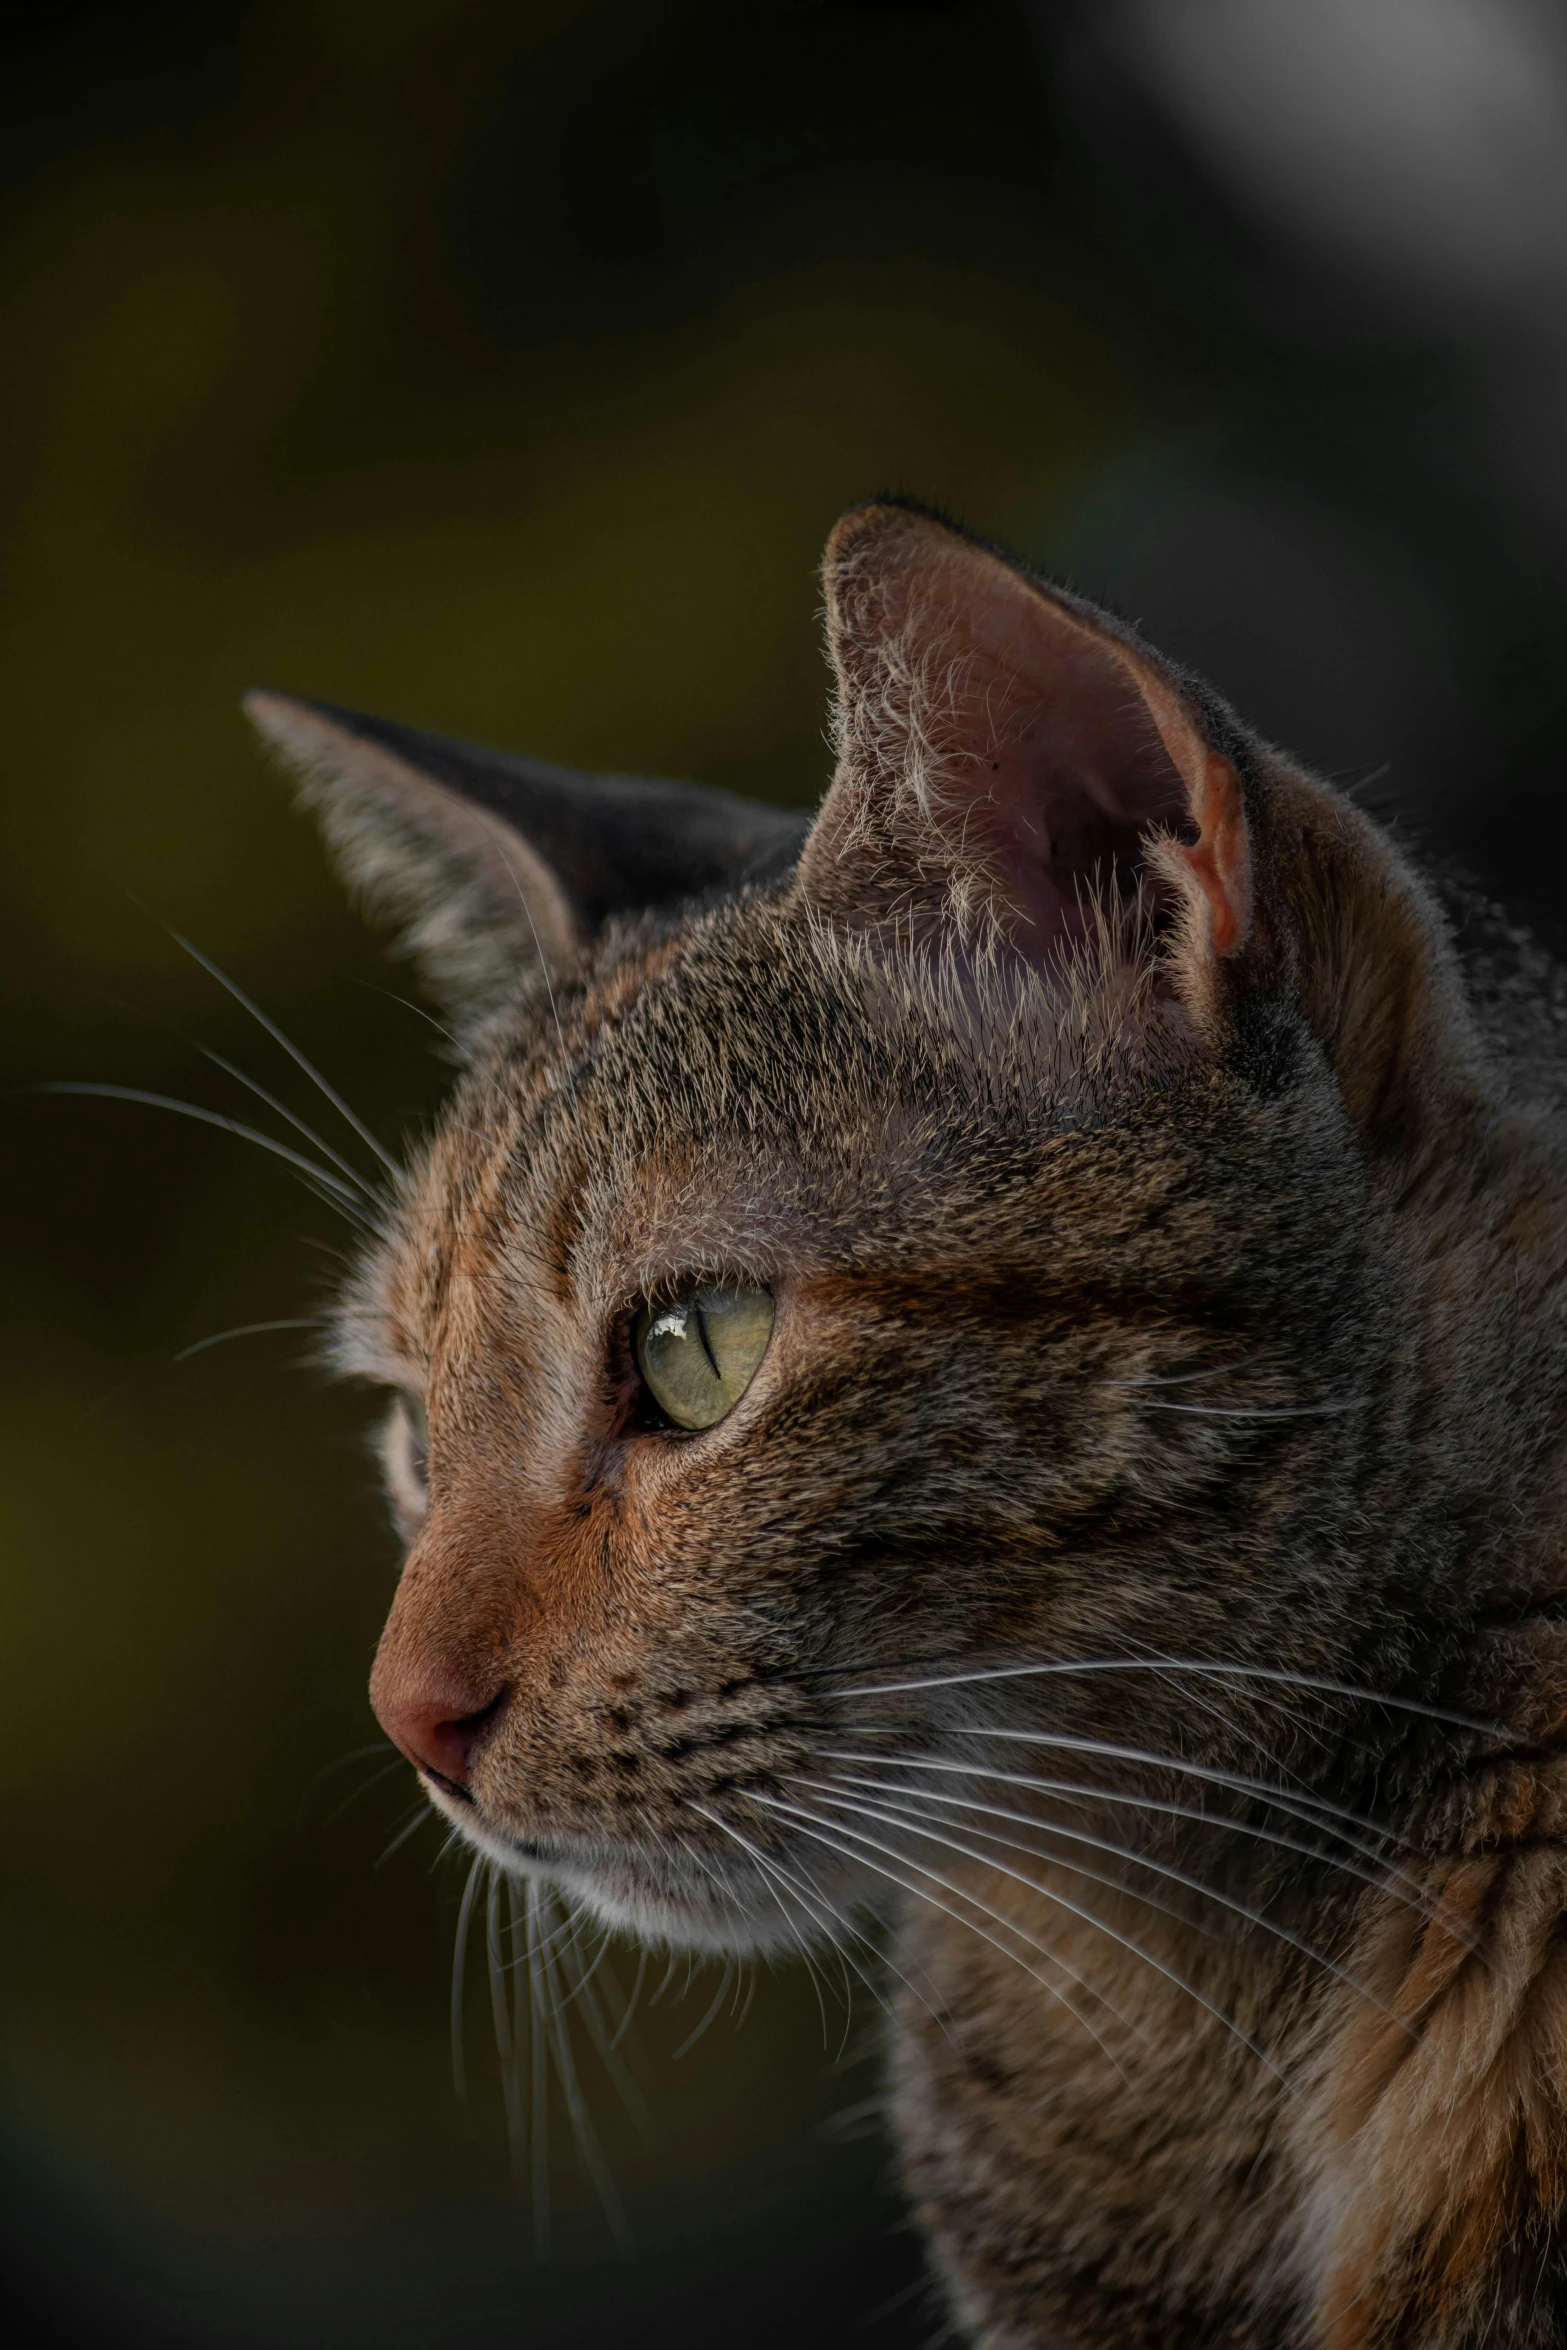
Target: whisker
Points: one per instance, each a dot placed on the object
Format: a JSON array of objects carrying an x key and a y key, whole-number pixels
[
  {"x": 500, "y": 2016},
  {"x": 668, "y": 1977},
  {"x": 582, "y": 1983},
  {"x": 459, "y": 1960},
  {"x": 1384, "y": 1878},
  {"x": 1196, "y": 1885},
  {"x": 630, "y": 2095},
  {"x": 1293, "y": 1714},
  {"x": 717, "y": 2001},
  {"x": 538, "y": 948},
  {"x": 538, "y": 2070},
  {"x": 346, "y": 1762},
  {"x": 1021, "y": 1819},
  {"x": 248, "y": 1330},
  {"x": 1322, "y": 1684},
  {"x": 1255, "y": 1411},
  {"x": 294, "y": 1054},
  {"x": 635, "y": 1993},
  {"x": 1249, "y": 1737},
  {"x": 408, "y": 1005},
  {"x": 577, "y": 1924},
  {"x": 344, "y": 1166},
  {"x": 450, "y": 1842},
  {"x": 833, "y": 1840},
  {"x": 576, "y": 2104},
  {"x": 1187, "y": 1378},
  {"x": 1074, "y": 1909},
  {"x": 791, "y": 1924},
  {"x": 410, "y": 1828},
  {"x": 769, "y": 1864},
  {"x": 253, "y": 1086},
  {"x": 1317, "y": 1811},
  {"x": 326, "y": 1184}
]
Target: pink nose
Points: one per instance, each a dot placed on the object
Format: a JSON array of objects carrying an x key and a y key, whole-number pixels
[{"x": 434, "y": 1732}]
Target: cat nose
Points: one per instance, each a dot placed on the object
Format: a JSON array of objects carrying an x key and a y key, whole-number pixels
[{"x": 437, "y": 1729}]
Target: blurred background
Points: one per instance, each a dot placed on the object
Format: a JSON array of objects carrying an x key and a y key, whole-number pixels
[{"x": 502, "y": 367}]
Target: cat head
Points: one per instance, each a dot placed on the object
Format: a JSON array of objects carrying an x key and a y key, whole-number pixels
[{"x": 864, "y": 1256}]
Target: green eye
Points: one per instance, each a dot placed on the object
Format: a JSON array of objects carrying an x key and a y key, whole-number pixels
[{"x": 698, "y": 1354}]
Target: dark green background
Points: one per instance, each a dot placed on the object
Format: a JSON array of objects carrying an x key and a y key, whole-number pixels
[{"x": 503, "y": 368}]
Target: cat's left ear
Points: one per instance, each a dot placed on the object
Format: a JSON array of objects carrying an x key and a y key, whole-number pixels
[
  {"x": 1008, "y": 753},
  {"x": 488, "y": 864}
]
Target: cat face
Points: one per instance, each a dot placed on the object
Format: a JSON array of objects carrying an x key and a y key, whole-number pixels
[{"x": 843, "y": 1272}]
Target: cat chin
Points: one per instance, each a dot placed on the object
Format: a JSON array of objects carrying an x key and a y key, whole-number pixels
[
  {"x": 656, "y": 1919},
  {"x": 620, "y": 1895}
]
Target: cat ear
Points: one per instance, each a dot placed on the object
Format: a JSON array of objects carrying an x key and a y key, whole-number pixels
[
  {"x": 490, "y": 863},
  {"x": 1005, "y": 748}
]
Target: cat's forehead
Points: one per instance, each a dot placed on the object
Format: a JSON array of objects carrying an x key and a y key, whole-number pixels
[{"x": 748, "y": 1093}]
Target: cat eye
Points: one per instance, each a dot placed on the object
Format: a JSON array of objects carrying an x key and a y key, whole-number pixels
[{"x": 699, "y": 1352}]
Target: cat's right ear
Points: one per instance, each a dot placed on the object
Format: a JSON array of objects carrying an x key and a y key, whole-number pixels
[
  {"x": 488, "y": 864},
  {"x": 1012, "y": 760}
]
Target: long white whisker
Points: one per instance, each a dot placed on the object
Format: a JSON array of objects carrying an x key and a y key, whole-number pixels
[
  {"x": 1239, "y": 1729},
  {"x": 1187, "y": 1378},
  {"x": 891, "y": 1794},
  {"x": 597, "y": 2021},
  {"x": 500, "y": 2016},
  {"x": 842, "y": 1950},
  {"x": 567, "y": 1956},
  {"x": 459, "y": 1961},
  {"x": 632, "y": 1997},
  {"x": 408, "y": 1005},
  {"x": 1316, "y": 1811},
  {"x": 410, "y": 1827},
  {"x": 1322, "y": 1684},
  {"x": 343, "y": 1166},
  {"x": 770, "y": 1865},
  {"x": 538, "y": 2075},
  {"x": 1255, "y": 1411},
  {"x": 1075, "y": 1909},
  {"x": 375, "y": 1780},
  {"x": 538, "y": 947},
  {"x": 1383, "y": 1877},
  {"x": 666, "y": 1978},
  {"x": 248, "y": 1330},
  {"x": 832, "y": 1833},
  {"x": 328, "y": 1185},
  {"x": 576, "y": 1925},
  {"x": 294, "y": 1054},
  {"x": 783, "y": 1911},
  {"x": 726, "y": 1977},
  {"x": 576, "y": 2104},
  {"x": 1241, "y": 1909}
]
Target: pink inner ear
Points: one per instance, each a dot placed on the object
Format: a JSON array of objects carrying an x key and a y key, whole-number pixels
[
  {"x": 1003, "y": 745},
  {"x": 1078, "y": 774}
]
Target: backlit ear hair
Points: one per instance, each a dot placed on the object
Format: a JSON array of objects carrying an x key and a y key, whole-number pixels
[
  {"x": 487, "y": 863},
  {"x": 1006, "y": 752}
]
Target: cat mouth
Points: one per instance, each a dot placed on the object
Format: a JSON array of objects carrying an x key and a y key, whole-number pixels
[
  {"x": 631, "y": 1888},
  {"x": 577, "y": 1857},
  {"x": 634, "y": 1887}
]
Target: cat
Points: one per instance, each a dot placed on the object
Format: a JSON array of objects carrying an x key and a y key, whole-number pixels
[{"x": 992, "y": 1360}]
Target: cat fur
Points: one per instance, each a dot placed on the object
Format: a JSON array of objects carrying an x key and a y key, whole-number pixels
[{"x": 1167, "y": 1239}]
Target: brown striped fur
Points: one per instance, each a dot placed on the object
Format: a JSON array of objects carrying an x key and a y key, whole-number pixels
[{"x": 1166, "y": 1235}]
